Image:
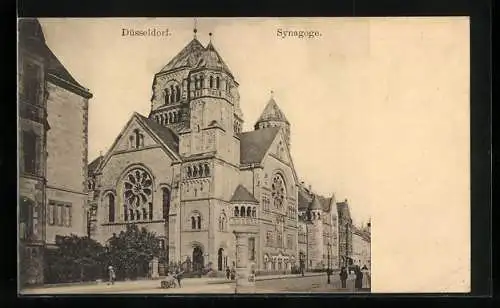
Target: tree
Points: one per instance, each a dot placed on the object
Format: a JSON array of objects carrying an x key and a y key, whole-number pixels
[
  {"x": 74, "y": 259},
  {"x": 131, "y": 251}
]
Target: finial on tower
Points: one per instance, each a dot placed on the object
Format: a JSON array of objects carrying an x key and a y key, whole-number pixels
[
  {"x": 272, "y": 94},
  {"x": 210, "y": 34},
  {"x": 195, "y": 26}
]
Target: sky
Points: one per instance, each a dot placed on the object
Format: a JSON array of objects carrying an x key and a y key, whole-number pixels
[{"x": 378, "y": 108}]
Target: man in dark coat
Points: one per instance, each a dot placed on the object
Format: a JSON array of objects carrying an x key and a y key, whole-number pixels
[
  {"x": 343, "y": 277},
  {"x": 359, "y": 278}
]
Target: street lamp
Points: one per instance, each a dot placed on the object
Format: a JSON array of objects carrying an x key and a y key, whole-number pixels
[{"x": 328, "y": 270}]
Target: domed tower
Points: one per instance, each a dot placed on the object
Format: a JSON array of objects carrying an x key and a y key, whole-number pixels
[
  {"x": 272, "y": 116},
  {"x": 316, "y": 211}
]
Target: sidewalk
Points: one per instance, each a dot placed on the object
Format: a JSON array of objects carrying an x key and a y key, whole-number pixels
[
  {"x": 269, "y": 277},
  {"x": 137, "y": 285}
]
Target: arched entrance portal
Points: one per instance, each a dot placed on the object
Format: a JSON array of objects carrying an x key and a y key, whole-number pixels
[
  {"x": 220, "y": 258},
  {"x": 197, "y": 258}
]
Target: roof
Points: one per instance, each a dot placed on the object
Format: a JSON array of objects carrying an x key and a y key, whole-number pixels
[
  {"x": 272, "y": 113},
  {"x": 254, "y": 144},
  {"x": 194, "y": 55},
  {"x": 94, "y": 164},
  {"x": 307, "y": 199},
  {"x": 304, "y": 200},
  {"x": 210, "y": 58},
  {"x": 187, "y": 57},
  {"x": 315, "y": 204},
  {"x": 163, "y": 132},
  {"x": 241, "y": 194},
  {"x": 31, "y": 33}
]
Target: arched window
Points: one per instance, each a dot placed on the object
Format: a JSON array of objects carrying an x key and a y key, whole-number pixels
[
  {"x": 171, "y": 94},
  {"x": 217, "y": 82},
  {"x": 249, "y": 212},
  {"x": 174, "y": 117},
  {"x": 189, "y": 172},
  {"x": 138, "y": 214},
  {"x": 278, "y": 190},
  {"x": 145, "y": 213},
  {"x": 125, "y": 212},
  {"x": 236, "y": 211},
  {"x": 170, "y": 118},
  {"x": 196, "y": 221},
  {"x": 131, "y": 212},
  {"x": 167, "y": 96},
  {"x": 222, "y": 222},
  {"x": 254, "y": 212},
  {"x": 111, "y": 208},
  {"x": 131, "y": 141},
  {"x": 207, "y": 170},
  {"x": 242, "y": 211},
  {"x": 177, "y": 93},
  {"x": 195, "y": 171},
  {"x": 211, "y": 82},
  {"x": 202, "y": 82}
]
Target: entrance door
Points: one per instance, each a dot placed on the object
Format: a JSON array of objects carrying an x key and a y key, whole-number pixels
[
  {"x": 197, "y": 259},
  {"x": 219, "y": 259}
]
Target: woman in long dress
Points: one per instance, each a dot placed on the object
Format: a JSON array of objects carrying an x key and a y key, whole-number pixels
[{"x": 366, "y": 277}]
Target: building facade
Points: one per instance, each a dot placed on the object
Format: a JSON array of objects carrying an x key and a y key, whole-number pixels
[
  {"x": 361, "y": 240},
  {"x": 190, "y": 174},
  {"x": 53, "y": 113},
  {"x": 345, "y": 232}
]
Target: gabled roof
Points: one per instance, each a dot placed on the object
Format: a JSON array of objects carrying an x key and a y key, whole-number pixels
[
  {"x": 31, "y": 35},
  {"x": 272, "y": 113},
  {"x": 187, "y": 57},
  {"x": 94, "y": 164},
  {"x": 164, "y": 133},
  {"x": 241, "y": 194},
  {"x": 254, "y": 144},
  {"x": 166, "y": 137}
]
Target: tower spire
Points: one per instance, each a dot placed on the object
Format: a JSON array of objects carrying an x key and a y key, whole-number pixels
[{"x": 195, "y": 27}]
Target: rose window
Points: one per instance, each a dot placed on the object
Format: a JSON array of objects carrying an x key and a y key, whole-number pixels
[
  {"x": 138, "y": 188},
  {"x": 278, "y": 191}
]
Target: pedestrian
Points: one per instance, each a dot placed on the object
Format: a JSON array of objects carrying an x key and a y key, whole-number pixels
[
  {"x": 233, "y": 274},
  {"x": 111, "y": 274},
  {"x": 343, "y": 277},
  {"x": 366, "y": 278},
  {"x": 228, "y": 273},
  {"x": 178, "y": 276},
  {"x": 358, "y": 283}
]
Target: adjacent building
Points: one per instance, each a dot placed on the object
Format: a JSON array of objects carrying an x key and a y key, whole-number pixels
[
  {"x": 345, "y": 231},
  {"x": 53, "y": 114},
  {"x": 361, "y": 240}
]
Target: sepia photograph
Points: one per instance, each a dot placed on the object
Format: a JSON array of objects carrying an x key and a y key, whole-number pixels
[{"x": 242, "y": 155}]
